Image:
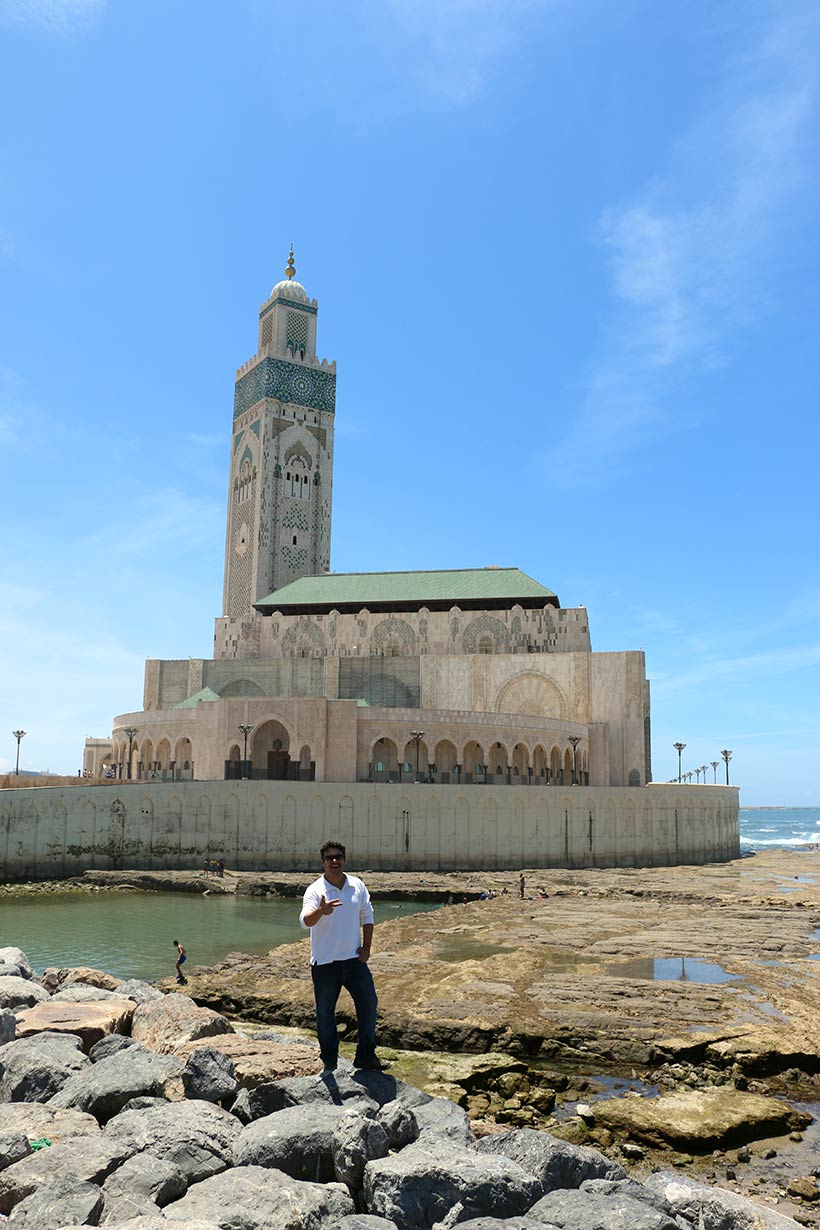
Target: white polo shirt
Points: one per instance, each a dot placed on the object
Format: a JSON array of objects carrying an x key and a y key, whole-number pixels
[{"x": 337, "y": 936}]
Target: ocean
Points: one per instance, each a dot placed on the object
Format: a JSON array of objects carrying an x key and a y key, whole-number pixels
[{"x": 761, "y": 827}]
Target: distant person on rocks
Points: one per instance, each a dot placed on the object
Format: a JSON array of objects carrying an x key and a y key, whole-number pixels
[
  {"x": 521, "y": 883},
  {"x": 182, "y": 957},
  {"x": 220, "y": 867},
  {"x": 336, "y": 910}
]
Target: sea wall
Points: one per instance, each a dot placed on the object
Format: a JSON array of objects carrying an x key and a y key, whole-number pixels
[{"x": 49, "y": 832}]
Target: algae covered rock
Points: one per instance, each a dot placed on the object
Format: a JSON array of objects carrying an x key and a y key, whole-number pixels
[{"x": 699, "y": 1119}]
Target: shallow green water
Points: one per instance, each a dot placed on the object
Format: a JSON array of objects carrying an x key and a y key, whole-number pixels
[{"x": 130, "y": 934}]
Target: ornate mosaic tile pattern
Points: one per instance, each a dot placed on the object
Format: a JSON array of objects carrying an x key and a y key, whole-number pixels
[
  {"x": 289, "y": 382},
  {"x": 291, "y": 303},
  {"x": 297, "y": 331}
]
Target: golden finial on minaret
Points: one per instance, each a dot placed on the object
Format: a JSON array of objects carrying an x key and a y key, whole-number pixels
[{"x": 290, "y": 271}]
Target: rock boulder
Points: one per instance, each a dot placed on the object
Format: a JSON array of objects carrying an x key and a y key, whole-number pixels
[
  {"x": 91, "y": 1161},
  {"x": 298, "y": 1141},
  {"x": 166, "y": 1024},
  {"x": 16, "y": 956},
  {"x": 698, "y": 1119},
  {"x": 259, "y": 1199},
  {"x": 579, "y": 1210},
  {"x": 195, "y": 1136},
  {"x": 34, "y": 1069},
  {"x": 141, "y": 1186},
  {"x": 21, "y": 993},
  {"x": 555, "y": 1163},
  {"x": 8, "y": 1026},
  {"x": 715, "y": 1207},
  {"x": 63, "y": 1202},
  {"x": 35, "y": 1120},
  {"x": 209, "y": 1075},
  {"x": 89, "y": 1021},
  {"x": 103, "y": 1088},
  {"x": 258, "y": 1062},
  {"x": 419, "y": 1186}
]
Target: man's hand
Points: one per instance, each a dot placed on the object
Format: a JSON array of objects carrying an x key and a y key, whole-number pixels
[
  {"x": 324, "y": 907},
  {"x": 364, "y": 953}
]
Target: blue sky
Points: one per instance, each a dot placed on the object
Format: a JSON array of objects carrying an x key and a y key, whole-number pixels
[{"x": 566, "y": 255}]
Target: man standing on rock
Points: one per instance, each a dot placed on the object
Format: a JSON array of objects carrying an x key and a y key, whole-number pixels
[{"x": 337, "y": 911}]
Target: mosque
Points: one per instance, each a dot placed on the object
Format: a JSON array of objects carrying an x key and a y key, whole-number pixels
[{"x": 469, "y": 676}]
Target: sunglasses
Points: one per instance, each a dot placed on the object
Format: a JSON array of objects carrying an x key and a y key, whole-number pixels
[{"x": 334, "y": 858}]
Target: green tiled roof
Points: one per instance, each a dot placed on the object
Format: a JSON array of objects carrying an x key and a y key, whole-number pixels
[
  {"x": 193, "y": 701},
  {"x": 366, "y": 589}
]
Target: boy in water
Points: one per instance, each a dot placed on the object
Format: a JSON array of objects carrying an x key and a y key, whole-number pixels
[{"x": 182, "y": 957}]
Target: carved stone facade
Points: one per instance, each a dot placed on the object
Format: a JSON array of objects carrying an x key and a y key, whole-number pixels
[
  {"x": 281, "y": 468},
  {"x": 471, "y": 676}
]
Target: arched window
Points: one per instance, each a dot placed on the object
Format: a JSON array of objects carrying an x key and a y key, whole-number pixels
[
  {"x": 485, "y": 644},
  {"x": 297, "y": 479}
]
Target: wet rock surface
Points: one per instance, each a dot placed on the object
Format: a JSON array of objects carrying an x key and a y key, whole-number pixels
[
  {"x": 741, "y": 1068},
  {"x": 354, "y": 1149},
  {"x": 700, "y": 1118},
  {"x": 573, "y": 977}
]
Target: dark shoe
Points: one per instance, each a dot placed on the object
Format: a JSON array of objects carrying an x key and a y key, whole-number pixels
[{"x": 371, "y": 1065}]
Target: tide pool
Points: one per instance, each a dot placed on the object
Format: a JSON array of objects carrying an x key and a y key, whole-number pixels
[{"x": 131, "y": 934}]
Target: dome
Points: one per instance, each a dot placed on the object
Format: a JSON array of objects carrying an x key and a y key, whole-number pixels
[{"x": 289, "y": 288}]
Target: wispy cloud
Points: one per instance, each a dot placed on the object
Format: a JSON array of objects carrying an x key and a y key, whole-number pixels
[
  {"x": 57, "y": 16},
  {"x": 688, "y": 255},
  {"x": 459, "y": 43},
  {"x": 14, "y": 409},
  {"x": 744, "y": 668}
]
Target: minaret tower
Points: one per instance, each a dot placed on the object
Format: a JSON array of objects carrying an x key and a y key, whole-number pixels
[{"x": 281, "y": 469}]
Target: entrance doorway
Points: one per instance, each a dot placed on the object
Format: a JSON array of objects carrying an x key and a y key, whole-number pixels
[
  {"x": 278, "y": 763},
  {"x": 270, "y": 752}
]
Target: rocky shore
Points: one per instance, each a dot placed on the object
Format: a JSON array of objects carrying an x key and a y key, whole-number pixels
[{"x": 126, "y": 1107}]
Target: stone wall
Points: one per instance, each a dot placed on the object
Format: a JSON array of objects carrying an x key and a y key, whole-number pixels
[
  {"x": 54, "y": 832},
  {"x": 408, "y": 633}
]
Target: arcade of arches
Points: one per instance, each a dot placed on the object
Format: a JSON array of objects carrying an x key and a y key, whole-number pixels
[
  {"x": 444, "y": 763},
  {"x": 274, "y": 755}
]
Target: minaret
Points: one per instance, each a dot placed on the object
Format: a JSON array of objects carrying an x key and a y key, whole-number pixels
[{"x": 281, "y": 470}]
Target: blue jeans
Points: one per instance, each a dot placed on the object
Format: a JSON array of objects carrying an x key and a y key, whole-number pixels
[{"x": 355, "y": 976}]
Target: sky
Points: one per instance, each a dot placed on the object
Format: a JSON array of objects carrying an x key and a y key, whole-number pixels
[{"x": 566, "y": 258}]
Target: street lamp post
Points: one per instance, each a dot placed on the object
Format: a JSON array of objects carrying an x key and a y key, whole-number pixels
[
  {"x": 131, "y": 732},
  {"x": 245, "y": 730},
  {"x": 703, "y": 769},
  {"x": 727, "y": 756},
  {"x": 574, "y": 740},
  {"x": 18, "y": 734},
  {"x": 697, "y": 775},
  {"x": 417, "y": 736},
  {"x": 714, "y": 764},
  {"x": 679, "y": 748}
]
